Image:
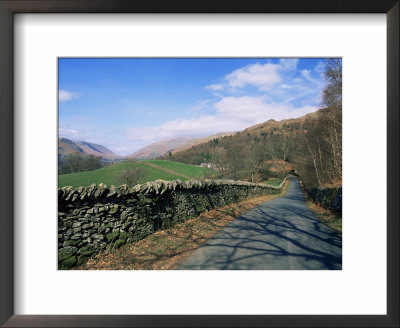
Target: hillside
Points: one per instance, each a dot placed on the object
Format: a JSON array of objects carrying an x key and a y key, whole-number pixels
[
  {"x": 153, "y": 170},
  {"x": 198, "y": 141},
  {"x": 97, "y": 150},
  {"x": 291, "y": 124},
  {"x": 173, "y": 145},
  {"x": 67, "y": 147},
  {"x": 267, "y": 132}
]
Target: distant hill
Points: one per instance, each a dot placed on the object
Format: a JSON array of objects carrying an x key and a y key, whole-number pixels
[
  {"x": 198, "y": 141},
  {"x": 172, "y": 145},
  {"x": 67, "y": 146},
  {"x": 160, "y": 148},
  {"x": 97, "y": 150}
]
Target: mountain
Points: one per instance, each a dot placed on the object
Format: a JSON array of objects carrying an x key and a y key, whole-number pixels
[
  {"x": 97, "y": 150},
  {"x": 66, "y": 147},
  {"x": 160, "y": 148}
]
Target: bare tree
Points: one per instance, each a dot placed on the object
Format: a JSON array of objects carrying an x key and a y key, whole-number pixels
[
  {"x": 332, "y": 94},
  {"x": 284, "y": 147},
  {"x": 332, "y": 100},
  {"x": 131, "y": 176},
  {"x": 219, "y": 158},
  {"x": 313, "y": 159}
]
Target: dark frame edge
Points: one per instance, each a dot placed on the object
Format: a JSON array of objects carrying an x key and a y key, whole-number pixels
[
  {"x": 194, "y": 321},
  {"x": 393, "y": 167},
  {"x": 6, "y": 165},
  {"x": 6, "y": 223},
  {"x": 204, "y": 6}
]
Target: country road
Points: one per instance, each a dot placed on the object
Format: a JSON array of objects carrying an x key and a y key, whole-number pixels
[{"x": 281, "y": 234}]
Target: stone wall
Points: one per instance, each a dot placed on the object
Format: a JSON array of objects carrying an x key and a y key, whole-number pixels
[
  {"x": 329, "y": 198},
  {"x": 93, "y": 218}
]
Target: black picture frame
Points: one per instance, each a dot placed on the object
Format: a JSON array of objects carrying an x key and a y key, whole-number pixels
[{"x": 10, "y": 7}]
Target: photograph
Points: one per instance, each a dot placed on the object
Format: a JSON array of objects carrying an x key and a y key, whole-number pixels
[{"x": 168, "y": 163}]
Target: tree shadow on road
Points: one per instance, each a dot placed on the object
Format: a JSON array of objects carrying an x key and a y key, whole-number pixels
[{"x": 267, "y": 239}]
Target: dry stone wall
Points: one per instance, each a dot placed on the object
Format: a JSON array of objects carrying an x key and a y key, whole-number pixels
[
  {"x": 329, "y": 198},
  {"x": 93, "y": 218}
]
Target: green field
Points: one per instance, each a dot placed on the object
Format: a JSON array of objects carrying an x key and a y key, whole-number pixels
[
  {"x": 185, "y": 169},
  {"x": 109, "y": 175}
]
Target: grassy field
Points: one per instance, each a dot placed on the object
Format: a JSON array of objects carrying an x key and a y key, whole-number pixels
[
  {"x": 185, "y": 169},
  {"x": 109, "y": 175}
]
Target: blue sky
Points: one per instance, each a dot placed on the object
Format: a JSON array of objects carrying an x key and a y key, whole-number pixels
[{"x": 128, "y": 103}]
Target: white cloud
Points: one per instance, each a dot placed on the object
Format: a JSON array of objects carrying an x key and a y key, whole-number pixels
[
  {"x": 215, "y": 87},
  {"x": 216, "y": 94},
  {"x": 307, "y": 74},
  {"x": 196, "y": 127},
  {"x": 68, "y": 133},
  {"x": 201, "y": 104},
  {"x": 287, "y": 86},
  {"x": 252, "y": 110},
  {"x": 320, "y": 67},
  {"x": 264, "y": 77},
  {"x": 64, "y": 95},
  {"x": 79, "y": 133},
  {"x": 246, "y": 109},
  {"x": 288, "y": 64}
]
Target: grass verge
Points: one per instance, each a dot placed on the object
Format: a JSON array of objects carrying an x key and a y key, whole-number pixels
[
  {"x": 164, "y": 249},
  {"x": 332, "y": 220}
]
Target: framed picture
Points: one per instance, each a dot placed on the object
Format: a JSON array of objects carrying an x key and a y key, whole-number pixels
[
  {"x": 61, "y": 70},
  {"x": 171, "y": 171}
]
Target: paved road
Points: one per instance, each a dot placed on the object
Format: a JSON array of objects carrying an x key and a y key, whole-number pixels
[{"x": 281, "y": 234}]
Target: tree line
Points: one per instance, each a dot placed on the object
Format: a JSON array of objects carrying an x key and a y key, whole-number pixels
[{"x": 77, "y": 162}]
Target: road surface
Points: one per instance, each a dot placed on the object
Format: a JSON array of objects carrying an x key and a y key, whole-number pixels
[{"x": 281, "y": 234}]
